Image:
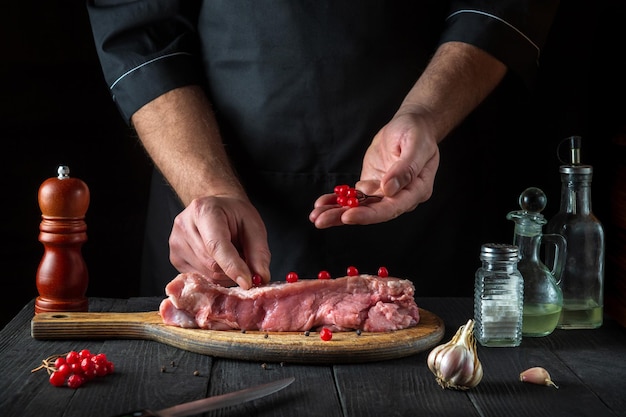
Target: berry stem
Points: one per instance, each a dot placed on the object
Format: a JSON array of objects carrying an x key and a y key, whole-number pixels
[
  {"x": 362, "y": 196},
  {"x": 48, "y": 363}
]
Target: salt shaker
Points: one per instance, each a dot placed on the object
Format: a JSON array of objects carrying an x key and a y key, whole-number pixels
[
  {"x": 498, "y": 297},
  {"x": 62, "y": 273}
]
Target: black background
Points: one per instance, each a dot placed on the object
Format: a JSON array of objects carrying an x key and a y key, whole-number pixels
[{"x": 56, "y": 110}]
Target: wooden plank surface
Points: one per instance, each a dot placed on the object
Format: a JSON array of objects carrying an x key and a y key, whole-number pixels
[
  {"x": 345, "y": 347},
  {"x": 586, "y": 364}
]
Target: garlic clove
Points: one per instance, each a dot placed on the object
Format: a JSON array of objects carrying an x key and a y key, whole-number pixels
[
  {"x": 455, "y": 364},
  {"x": 537, "y": 375}
]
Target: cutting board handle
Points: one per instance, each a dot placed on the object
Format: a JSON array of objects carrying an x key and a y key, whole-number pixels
[{"x": 79, "y": 325}]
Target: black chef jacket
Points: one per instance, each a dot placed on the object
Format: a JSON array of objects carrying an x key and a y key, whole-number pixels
[{"x": 299, "y": 89}]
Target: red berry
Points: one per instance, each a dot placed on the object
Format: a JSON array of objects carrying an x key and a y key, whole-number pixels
[
  {"x": 341, "y": 200},
  {"x": 341, "y": 189},
  {"x": 323, "y": 275},
  {"x": 72, "y": 357},
  {"x": 75, "y": 381},
  {"x": 59, "y": 361},
  {"x": 326, "y": 334},
  {"x": 87, "y": 365},
  {"x": 85, "y": 353},
  {"x": 100, "y": 358},
  {"x": 256, "y": 280},
  {"x": 75, "y": 368},
  {"x": 64, "y": 370},
  {"x": 110, "y": 368},
  {"x": 352, "y": 202},
  {"x": 100, "y": 369},
  {"x": 292, "y": 277},
  {"x": 351, "y": 193},
  {"x": 382, "y": 272},
  {"x": 57, "y": 379},
  {"x": 352, "y": 271},
  {"x": 90, "y": 375}
]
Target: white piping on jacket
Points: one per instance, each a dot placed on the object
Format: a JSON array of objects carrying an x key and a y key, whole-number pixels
[
  {"x": 499, "y": 19},
  {"x": 144, "y": 64}
]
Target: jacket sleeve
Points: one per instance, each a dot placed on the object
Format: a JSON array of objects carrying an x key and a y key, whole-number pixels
[
  {"x": 145, "y": 47},
  {"x": 513, "y": 31}
]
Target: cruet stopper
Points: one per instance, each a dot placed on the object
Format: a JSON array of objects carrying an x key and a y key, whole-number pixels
[{"x": 529, "y": 219}]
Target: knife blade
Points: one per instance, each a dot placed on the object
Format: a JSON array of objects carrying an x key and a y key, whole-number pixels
[{"x": 215, "y": 402}]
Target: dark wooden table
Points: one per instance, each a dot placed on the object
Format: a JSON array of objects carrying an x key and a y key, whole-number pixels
[{"x": 589, "y": 366}]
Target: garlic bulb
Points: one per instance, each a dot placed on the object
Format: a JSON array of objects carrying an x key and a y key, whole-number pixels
[
  {"x": 455, "y": 364},
  {"x": 537, "y": 375}
]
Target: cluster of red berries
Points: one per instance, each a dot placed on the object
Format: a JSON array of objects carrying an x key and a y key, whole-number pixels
[
  {"x": 347, "y": 196},
  {"x": 74, "y": 369}
]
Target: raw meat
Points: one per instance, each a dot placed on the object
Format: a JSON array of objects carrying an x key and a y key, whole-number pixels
[{"x": 365, "y": 302}]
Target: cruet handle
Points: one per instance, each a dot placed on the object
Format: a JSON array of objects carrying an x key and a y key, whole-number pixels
[{"x": 559, "y": 254}]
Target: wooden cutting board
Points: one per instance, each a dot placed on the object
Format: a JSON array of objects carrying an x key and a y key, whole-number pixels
[{"x": 344, "y": 347}]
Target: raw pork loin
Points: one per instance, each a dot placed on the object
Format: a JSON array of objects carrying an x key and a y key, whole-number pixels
[{"x": 365, "y": 302}]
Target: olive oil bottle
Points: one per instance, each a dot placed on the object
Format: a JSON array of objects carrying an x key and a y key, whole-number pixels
[{"x": 582, "y": 281}]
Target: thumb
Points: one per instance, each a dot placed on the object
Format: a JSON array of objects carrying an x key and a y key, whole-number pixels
[{"x": 398, "y": 177}]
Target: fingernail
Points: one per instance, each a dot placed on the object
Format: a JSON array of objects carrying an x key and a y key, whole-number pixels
[
  {"x": 392, "y": 187},
  {"x": 243, "y": 283}
]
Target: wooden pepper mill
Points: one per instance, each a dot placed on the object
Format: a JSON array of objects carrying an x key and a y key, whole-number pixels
[{"x": 62, "y": 276}]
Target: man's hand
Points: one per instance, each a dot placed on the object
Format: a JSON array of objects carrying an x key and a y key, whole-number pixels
[
  {"x": 399, "y": 165},
  {"x": 222, "y": 238}
]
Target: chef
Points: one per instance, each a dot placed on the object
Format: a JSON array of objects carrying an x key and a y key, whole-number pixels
[{"x": 252, "y": 111}]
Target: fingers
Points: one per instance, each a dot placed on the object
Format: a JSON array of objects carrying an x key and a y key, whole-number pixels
[
  {"x": 370, "y": 211},
  {"x": 327, "y": 216},
  {"x": 399, "y": 176},
  {"x": 194, "y": 247},
  {"x": 326, "y": 212},
  {"x": 224, "y": 240},
  {"x": 224, "y": 254},
  {"x": 218, "y": 278},
  {"x": 255, "y": 248}
]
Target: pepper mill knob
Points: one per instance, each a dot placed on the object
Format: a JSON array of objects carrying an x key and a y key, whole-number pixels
[{"x": 62, "y": 276}]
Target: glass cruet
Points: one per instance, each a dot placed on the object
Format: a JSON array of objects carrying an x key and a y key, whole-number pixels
[{"x": 543, "y": 298}]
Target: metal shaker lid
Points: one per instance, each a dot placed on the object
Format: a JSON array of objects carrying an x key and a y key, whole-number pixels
[{"x": 499, "y": 252}]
